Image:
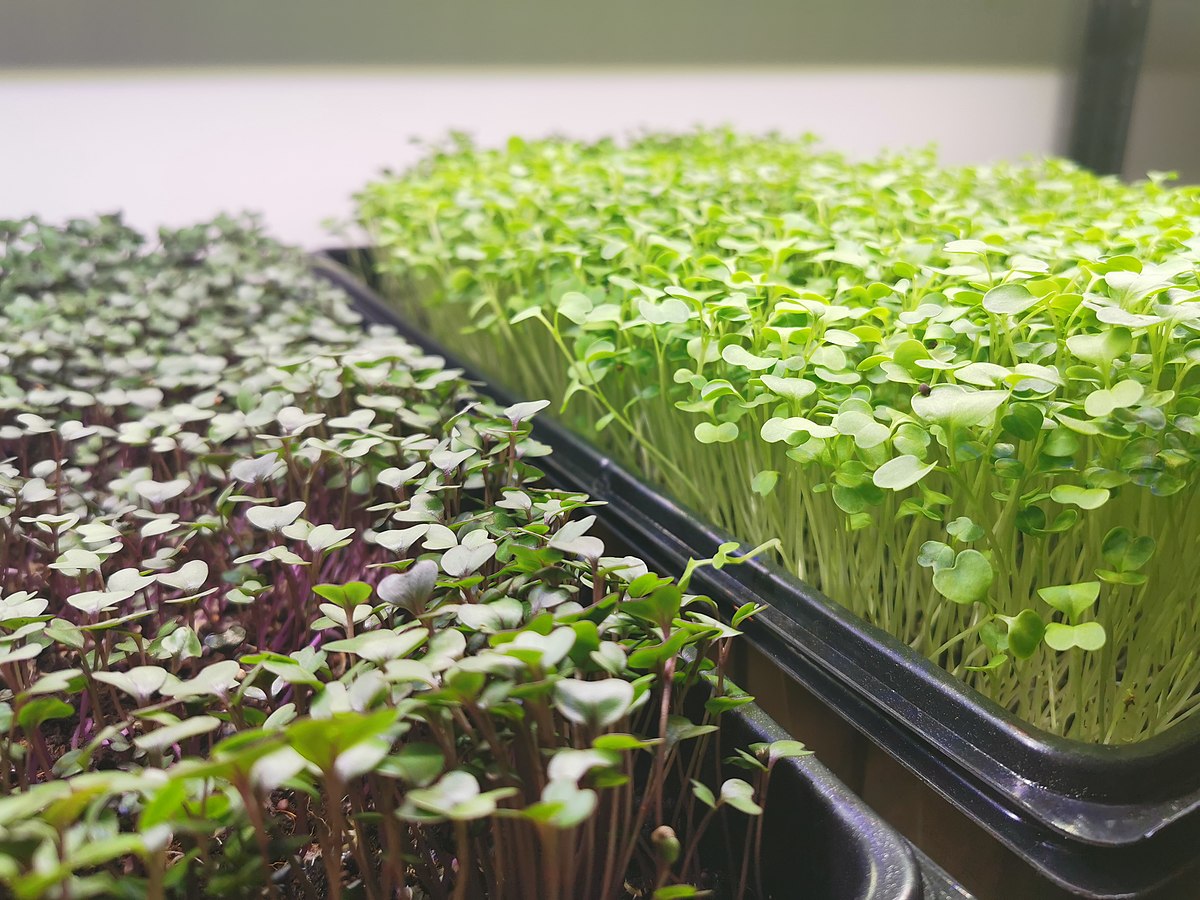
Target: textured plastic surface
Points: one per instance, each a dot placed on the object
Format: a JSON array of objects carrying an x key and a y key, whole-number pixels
[
  {"x": 821, "y": 841},
  {"x": 1101, "y": 821}
]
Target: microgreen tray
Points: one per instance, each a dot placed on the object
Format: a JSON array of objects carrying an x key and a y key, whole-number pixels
[
  {"x": 819, "y": 835},
  {"x": 1097, "y": 820}
]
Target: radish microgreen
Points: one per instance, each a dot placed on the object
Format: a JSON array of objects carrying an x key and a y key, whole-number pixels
[{"x": 286, "y": 611}]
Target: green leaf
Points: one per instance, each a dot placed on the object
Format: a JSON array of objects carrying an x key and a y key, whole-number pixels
[
  {"x": 519, "y": 412},
  {"x": 764, "y": 482},
  {"x": 320, "y": 741},
  {"x": 214, "y": 680},
  {"x": 363, "y": 757},
  {"x": 1084, "y": 498},
  {"x": 968, "y": 580},
  {"x": 490, "y": 618},
  {"x": 668, "y": 312},
  {"x": 381, "y": 645},
  {"x": 909, "y": 353},
  {"x": 967, "y": 246},
  {"x": 1025, "y": 632},
  {"x": 653, "y": 656},
  {"x": 1023, "y": 421},
  {"x": 660, "y": 607},
  {"x": 675, "y": 892},
  {"x": 901, "y": 472},
  {"x": 857, "y": 499},
  {"x": 739, "y": 356},
  {"x": 95, "y": 602},
  {"x": 415, "y": 762},
  {"x": 935, "y": 555},
  {"x": 596, "y": 704},
  {"x": 785, "y": 749},
  {"x": 575, "y": 306},
  {"x": 993, "y": 663},
  {"x": 1110, "y": 577},
  {"x": 965, "y": 530},
  {"x": 571, "y": 538},
  {"x": 531, "y": 312},
  {"x": 273, "y": 518},
  {"x": 681, "y": 728},
  {"x": 955, "y": 406},
  {"x": 744, "y": 612},
  {"x": 703, "y": 793},
  {"x": 708, "y": 433},
  {"x": 347, "y": 595},
  {"x": 469, "y": 556},
  {"x": 108, "y": 849},
  {"x": 1121, "y": 396},
  {"x": 740, "y": 795},
  {"x": 59, "y": 681},
  {"x": 794, "y": 389},
  {"x": 161, "y": 738},
  {"x": 161, "y": 491},
  {"x": 410, "y": 590},
  {"x": 180, "y": 643},
  {"x": 543, "y": 651},
  {"x": 43, "y": 709},
  {"x": 17, "y": 654},
  {"x": 1126, "y": 553},
  {"x": 568, "y": 764},
  {"x": 563, "y": 805},
  {"x": 1087, "y": 636},
  {"x": 1101, "y": 349},
  {"x": 1072, "y": 599},
  {"x": 617, "y": 741},
  {"x": 1009, "y": 300},
  {"x": 455, "y": 796},
  {"x": 794, "y": 430},
  {"x": 140, "y": 681}
]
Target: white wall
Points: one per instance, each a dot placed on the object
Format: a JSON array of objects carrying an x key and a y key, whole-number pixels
[
  {"x": 1164, "y": 132},
  {"x": 176, "y": 146},
  {"x": 174, "y": 33}
]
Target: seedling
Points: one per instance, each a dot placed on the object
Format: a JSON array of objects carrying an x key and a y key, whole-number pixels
[
  {"x": 284, "y": 610},
  {"x": 954, "y": 393}
]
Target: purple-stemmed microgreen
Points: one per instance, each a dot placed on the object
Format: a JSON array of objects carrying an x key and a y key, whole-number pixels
[{"x": 285, "y": 611}]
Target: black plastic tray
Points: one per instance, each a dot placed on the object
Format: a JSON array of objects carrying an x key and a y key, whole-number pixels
[
  {"x": 821, "y": 841},
  {"x": 1099, "y": 821}
]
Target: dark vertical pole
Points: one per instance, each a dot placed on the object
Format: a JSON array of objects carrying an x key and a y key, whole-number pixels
[{"x": 1108, "y": 74}]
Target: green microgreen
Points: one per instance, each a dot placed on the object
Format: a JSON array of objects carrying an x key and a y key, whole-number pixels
[{"x": 863, "y": 358}]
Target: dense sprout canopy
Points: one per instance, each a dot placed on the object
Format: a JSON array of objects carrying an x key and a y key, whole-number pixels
[
  {"x": 285, "y": 609},
  {"x": 959, "y": 394}
]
